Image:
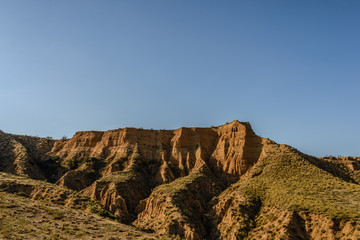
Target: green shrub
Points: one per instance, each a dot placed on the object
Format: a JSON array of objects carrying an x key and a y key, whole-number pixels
[
  {"x": 70, "y": 164},
  {"x": 106, "y": 213},
  {"x": 22, "y": 194},
  {"x": 136, "y": 156},
  {"x": 91, "y": 161}
]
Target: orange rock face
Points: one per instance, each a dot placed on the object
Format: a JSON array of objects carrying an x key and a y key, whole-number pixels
[
  {"x": 229, "y": 150},
  {"x": 163, "y": 156}
]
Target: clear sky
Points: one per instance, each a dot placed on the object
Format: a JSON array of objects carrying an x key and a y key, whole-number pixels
[{"x": 291, "y": 68}]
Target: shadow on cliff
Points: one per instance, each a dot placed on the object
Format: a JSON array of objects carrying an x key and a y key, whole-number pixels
[
  {"x": 234, "y": 167},
  {"x": 16, "y": 158}
]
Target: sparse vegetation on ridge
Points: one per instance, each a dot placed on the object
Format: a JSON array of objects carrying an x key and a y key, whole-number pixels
[
  {"x": 290, "y": 181},
  {"x": 24, "y": 219}
]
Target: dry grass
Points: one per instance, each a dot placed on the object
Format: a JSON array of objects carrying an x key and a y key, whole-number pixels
[
  {"x": 24, "y": 219},
  {"x": 291, "y": 181}
]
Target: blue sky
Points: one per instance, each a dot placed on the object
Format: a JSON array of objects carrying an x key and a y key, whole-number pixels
[{"x": 291, "y": 68}]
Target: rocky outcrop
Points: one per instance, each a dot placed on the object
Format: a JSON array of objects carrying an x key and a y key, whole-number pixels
[
  {"x": 179, "y": 208},
  {"x": 163, "y": 156},
  {"x": 121, "y": 191},
  {"x": 348, "y": 168},
  {"x": 15, "y": 157},
  {"x": 36, "y": 147},
  {"x": 83, "y": 176},
  {"x": 40, "y": 190},
  {"x": 277, "y": 223},
  {"x": 237, "y": 149},
  {"x": 229, "y": 150},
  {"x": 76, "y": 179}
]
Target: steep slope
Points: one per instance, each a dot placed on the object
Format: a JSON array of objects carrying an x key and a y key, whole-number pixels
[
  {"x": 286, "y": 196},
  {"x": 136, "y": 161},
  {"x": 40, "y": 190},
  {"x": 17, "y": 154},
  {"x": 347, "y": 168},
  {"x": 121, "y": 191},
  {"x": 22, "y": 218},
  {"x": 229, "y": 149},
  {"x": 179, "y": 208}
]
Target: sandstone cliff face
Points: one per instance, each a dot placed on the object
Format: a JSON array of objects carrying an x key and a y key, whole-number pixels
[
  {"x": 229, "y": 150},
  {"x": 162, "y": 156},
  {"x": 237, "y": 149}
]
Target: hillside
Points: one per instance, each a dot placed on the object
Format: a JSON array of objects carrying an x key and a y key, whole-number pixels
[{"x": 221, "y": 182}]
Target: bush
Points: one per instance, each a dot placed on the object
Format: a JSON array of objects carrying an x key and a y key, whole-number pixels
[
  {"x": 70, "y": 164},
  {"x": 64, "y": 138},
  {"x": 22, "y": 194},
  {"x": 91, "y": 161},
  {"x": 106, "y": 213},
  {"x": 136, "y": 156}
]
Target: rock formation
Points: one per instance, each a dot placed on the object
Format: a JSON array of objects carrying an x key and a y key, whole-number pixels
[{"x": 221, "y": 182}]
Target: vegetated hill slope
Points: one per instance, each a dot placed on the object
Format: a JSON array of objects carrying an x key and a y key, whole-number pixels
[
  {"x": 199, "y": 183},
  {"x": 31, "y": 209}
]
